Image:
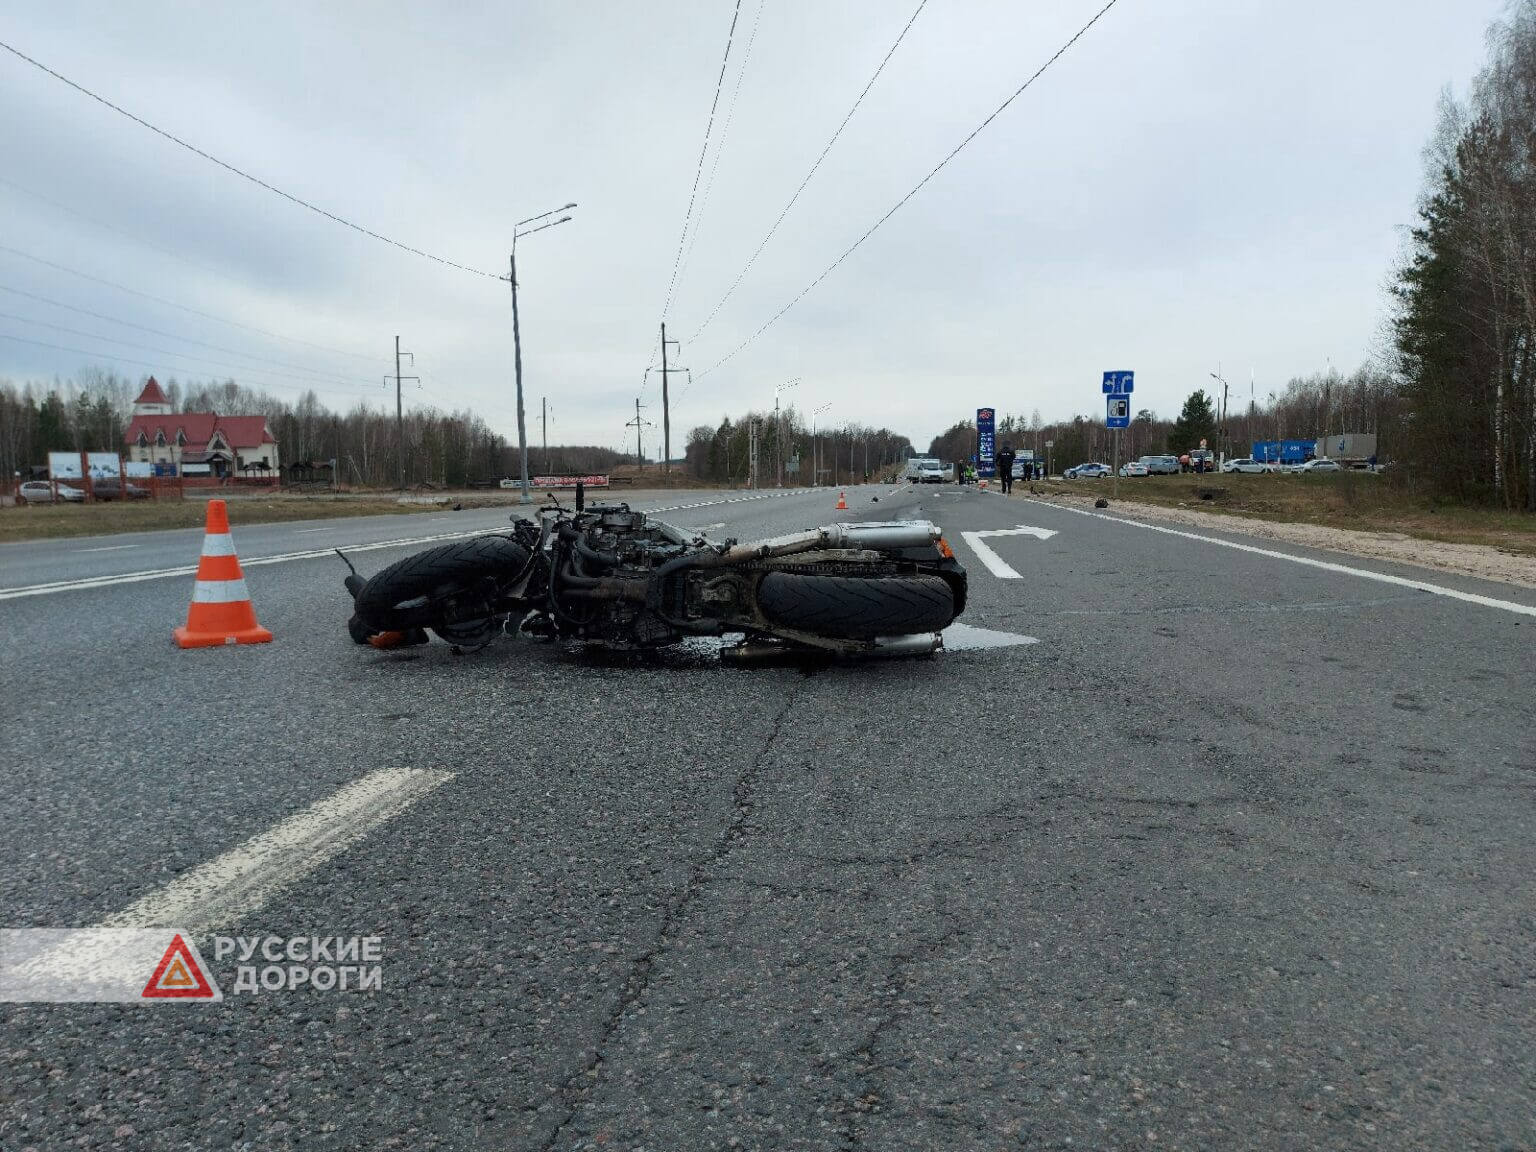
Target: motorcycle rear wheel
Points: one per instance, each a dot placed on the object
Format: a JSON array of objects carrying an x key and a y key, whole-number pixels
[
  {"x": 857, "y": 607},
  {"x": 408, "y": 592}
]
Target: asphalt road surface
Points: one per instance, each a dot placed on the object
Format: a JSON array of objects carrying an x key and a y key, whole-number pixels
[{"x": 1237, "y": 853}]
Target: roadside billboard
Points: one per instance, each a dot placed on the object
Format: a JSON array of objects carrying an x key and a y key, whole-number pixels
[
  {"x": 104, "y": 465},
  {"x": 64, "y": 466}
]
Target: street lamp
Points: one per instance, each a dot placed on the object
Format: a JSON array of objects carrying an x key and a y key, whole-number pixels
[
  {"x": 519, "y": 230},
  {"x": 816, "y": 446},
  {"x": 1217, "y": 376}
]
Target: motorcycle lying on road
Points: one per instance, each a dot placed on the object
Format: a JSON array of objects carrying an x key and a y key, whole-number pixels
[{"x": 617, "y": 578}]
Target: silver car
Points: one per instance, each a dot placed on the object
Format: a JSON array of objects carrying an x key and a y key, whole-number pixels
[{"x": 42, "y": 492}]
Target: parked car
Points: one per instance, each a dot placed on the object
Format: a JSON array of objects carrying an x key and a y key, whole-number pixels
[
  {"x": 114, "y": 489},
  {"x": 1245, "y": 464},
  {"x": 1091, "y": 471},
  {"x": 1321, "y": 464},
  {"x": 1202, "y": 460},
  {"x": 1133, "y": 468},
  {"x": 1161, "y": 465},
  {"x": 42, "y": 492}
]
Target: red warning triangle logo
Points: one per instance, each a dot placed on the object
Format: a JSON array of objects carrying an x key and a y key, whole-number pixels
[{"x": 179, "y": 976}]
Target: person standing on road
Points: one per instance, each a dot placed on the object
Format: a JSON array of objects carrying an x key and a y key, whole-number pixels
[{"x": 1005, "y": 460}]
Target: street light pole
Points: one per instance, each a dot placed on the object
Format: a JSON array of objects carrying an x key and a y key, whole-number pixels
[
  {"x": 1217, "y": 376},
  {"x": 517, "y": 340},
  {"x": 816, "y": 445}
]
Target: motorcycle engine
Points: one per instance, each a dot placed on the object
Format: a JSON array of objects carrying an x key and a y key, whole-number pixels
[{"x": 639, "y": 547}]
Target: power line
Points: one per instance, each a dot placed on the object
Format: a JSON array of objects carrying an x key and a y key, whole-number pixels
[
  {"x": 703, "y": 151},
  {"x": 179, "y": 307},
  {"x": 170, "y": 352},
  {"x": 725, "y": 132},
  {"x": 115, "y": 359},
  {"x": 238, "y": 172},
  {"x": 173, "y": 336},
  {"x": 715, "y": 311},
  {"x": 915, "y": 189},
  {"x": 60, "y": 206}
]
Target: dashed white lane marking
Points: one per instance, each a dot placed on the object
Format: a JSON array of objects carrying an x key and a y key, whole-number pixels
[
  {"x": 995, "y": 563},
  {"x": 307, "y": 531},
  {"x": 111, "y": 548},
  {"x": 286, "y": 557},
  {"x": 1325, "y": 565},
  {"x": 216, "y": 894}
]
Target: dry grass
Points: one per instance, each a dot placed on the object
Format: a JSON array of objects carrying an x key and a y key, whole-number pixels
[{"x": 1353, "y": 500}]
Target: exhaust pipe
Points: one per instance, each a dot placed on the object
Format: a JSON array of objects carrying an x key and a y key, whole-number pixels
[{"x": 922, "y": 644}]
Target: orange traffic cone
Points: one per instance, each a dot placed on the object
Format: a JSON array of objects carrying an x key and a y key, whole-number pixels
[
  {"x": 221, "y": 611},
  {"x": 842, "y": 502}
]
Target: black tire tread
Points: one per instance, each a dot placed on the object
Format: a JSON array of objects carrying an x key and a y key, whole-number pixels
[
  {"x": 436, "y": 568},
  {"x": 857, "y": 607}
]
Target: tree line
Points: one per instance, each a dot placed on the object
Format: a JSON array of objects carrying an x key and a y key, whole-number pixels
[
  {"x": 787, "y": 446},
  {"x": 448, "y": 449}
]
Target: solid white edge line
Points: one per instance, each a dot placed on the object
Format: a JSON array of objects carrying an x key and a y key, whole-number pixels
[
  {"x": 1325, "y": 565},
  {"x": 219, "y": 892}
]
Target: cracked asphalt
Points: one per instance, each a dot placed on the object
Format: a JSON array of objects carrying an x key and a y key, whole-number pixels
[{"x": 1238, "y": 855}]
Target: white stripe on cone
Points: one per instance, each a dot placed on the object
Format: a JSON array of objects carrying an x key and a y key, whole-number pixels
[
  {"x": 220, "y": 592},
  {"x": 218, "y": 544}
]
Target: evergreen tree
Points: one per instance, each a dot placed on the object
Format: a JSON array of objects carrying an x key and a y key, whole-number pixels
[{"x": 1195, "y": 423}]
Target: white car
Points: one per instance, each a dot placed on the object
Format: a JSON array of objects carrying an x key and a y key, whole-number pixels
[
  {"x": 1133, "y": 468},
  {"x": 1246, "y": 464},
  {"x": 1321, "y": 464}
]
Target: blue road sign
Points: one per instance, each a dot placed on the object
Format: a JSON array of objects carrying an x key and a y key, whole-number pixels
[
  {"x": 1119, "y": 383},
  {"x": 1117, "y": 412}
]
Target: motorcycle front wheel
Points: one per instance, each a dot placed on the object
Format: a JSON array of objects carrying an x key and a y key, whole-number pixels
[
  {"x": 857, "y": 607},
  {"x": 410, "y": 593}
]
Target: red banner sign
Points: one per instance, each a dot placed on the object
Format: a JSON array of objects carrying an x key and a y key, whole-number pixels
[{"x": 568, "y": 481}]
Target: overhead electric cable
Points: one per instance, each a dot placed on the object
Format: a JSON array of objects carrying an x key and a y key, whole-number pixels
[
  {"x": 180, "y": 307},
  {"x": 715, "y": 311},
  {"x": 725, "y": 132},
  {"x": 316, "y": 384},
  {"x": 239, "y": 172},
  {"x": 184, "y": 339},
  {"x": 157, "y": 366},
  {"x": 703, "y": 151},
  {"x": 873, "y": 228}
]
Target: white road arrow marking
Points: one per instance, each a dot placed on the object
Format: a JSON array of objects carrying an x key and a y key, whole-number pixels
[{"x": 991, "y": 559}]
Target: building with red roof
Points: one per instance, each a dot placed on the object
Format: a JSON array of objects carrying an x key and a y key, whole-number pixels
[{"x": 198, "y": 443}]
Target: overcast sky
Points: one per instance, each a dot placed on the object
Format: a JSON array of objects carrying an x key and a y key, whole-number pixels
[{"x": 1196, "y": 183}]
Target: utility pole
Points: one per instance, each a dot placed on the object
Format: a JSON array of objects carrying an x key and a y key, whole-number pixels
[
  {"x": 666, "y": 409},
  {"x": 400, "y": 412},
  {"x": 638, "y": 422},
  {"x": 752, "y": 452},
  {"x": 544, "y": 436}
]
